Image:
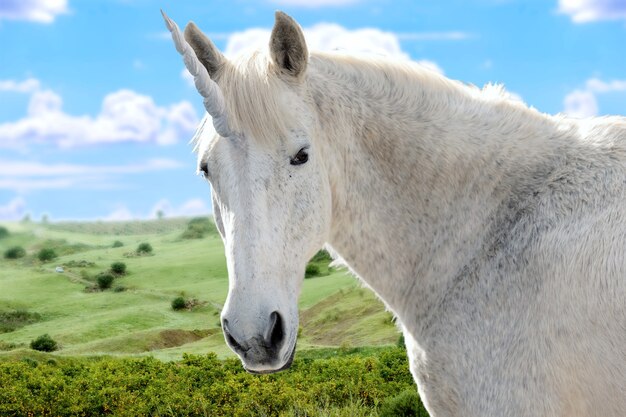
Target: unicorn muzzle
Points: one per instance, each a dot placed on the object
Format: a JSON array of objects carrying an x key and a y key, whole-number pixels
[{"x": 261, "y": 353}]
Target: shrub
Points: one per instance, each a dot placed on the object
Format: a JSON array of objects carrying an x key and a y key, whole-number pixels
[
  {"x": 79, "y": 264},
  {"x": 198, "y": 227},
  {"x": 4, "y": 232},
  {"x": 312, "y": 270},
  {"x": 105, "y": 280},
  {"x": 15, "y": 252},
  {"x": 13, "y": 320},
  {"x": 44, "y": 343},
  {"x": 119, "y": 288},
  {"x": 405, "y": 404},
  {"x": 118, "y": 268},
  {"x": 322, "y": 256},
  {"x": 179, "y": 303},
  {"x": 325, "y": 382},
  {"x": 118, "y": 244},
  {"x": 400, "y": 342},
  {"x": 144, "y": 248},
  {"x": 46, "y": 254}
]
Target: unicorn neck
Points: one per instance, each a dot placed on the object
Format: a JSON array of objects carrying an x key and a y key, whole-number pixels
[{"x": 421, "y": 167}]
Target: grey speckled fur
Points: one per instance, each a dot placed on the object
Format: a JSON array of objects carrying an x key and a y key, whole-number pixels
[{"x": 496, "y": 234}]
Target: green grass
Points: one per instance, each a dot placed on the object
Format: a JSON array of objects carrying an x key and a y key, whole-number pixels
[{"x": 335, "y": 311}]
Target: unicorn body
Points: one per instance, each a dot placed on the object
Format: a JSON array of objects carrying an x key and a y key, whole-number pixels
[{"x": 496, "y": 234}]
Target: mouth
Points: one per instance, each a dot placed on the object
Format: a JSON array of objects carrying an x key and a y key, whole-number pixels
[{"x": 272, "y": 371}]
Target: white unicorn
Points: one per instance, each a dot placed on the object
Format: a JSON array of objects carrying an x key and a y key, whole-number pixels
[{"x": 496, "y": 234}]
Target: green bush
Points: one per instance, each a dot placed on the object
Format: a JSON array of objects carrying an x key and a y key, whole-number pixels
[
  {"x": 119, "y": 288},
  {"x": 118, "y": 268},
  {"x": 4, "y": 232},
  {"x": 46, "y": 254},
  {"x": 118, "y": 244},
  {"x": 13, "y": 320},
  {"x": 179, "y": 303},
  {"x": 334, "y": 384},
  {"x": 105, "y": 280},
  {"x": 199, "y": 227},
  {"x": 322, "y": 256},
  {"x": 406, "y": 404},
  {"x": 144, "y": 248},
  {"x": 312, "y": 270},
  {"x": 44, "y": 343},
  {"x": 400, "y": 342},
  {"x": 15, "y": 252}
]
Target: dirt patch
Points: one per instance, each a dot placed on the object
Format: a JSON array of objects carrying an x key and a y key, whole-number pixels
[
  {"x": 332, "y": 321},
  {"x": 176, "y": 337}
]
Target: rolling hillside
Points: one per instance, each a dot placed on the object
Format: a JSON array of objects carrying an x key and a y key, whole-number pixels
[{"x": 134, "y": 316}]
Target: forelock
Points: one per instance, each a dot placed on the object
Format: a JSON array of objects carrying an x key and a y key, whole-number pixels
[{"x": 254, "y": 96}]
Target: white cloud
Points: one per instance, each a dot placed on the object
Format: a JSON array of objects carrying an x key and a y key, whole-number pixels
[
  {"x": 13, "y": 210},
  {"x": 327, "y": 37},
  {"x": 29, "y": 85},
  {"x": 583, "y": 102},
  {"x": 323, "y": 37},
  {"x": 125, "y": 116},
  {"x": 332, "y": 37},
  {"x": 41, "y": 11},
  {"x": 190, "y": 208},
  {"x": 23, "y": 176},
  {"x": 121, "y": 213},
  {"x": 38, "y": 169},
  {"x": 583, "y": 11},
  {"x": 314, "y": 3},
  {"x": 430, "y": 65},
  {"x": 598, "y": 86},
  {"x": 580, "y": 104}
]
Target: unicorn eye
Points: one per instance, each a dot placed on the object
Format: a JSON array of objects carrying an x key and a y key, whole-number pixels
[
  {"x": 301, "y": 157},
  {"x": 204, "y": 169}
]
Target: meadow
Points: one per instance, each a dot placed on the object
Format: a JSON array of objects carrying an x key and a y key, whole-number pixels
[{"x": 132, "y": 322}]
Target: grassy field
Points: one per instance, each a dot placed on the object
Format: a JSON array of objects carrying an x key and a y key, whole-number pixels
[{"x": 135, "y": 317}]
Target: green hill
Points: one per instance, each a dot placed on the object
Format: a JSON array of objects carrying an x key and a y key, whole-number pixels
[{"x": 134, "y": 316}]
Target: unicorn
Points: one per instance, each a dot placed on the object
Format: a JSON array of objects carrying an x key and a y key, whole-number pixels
[{"x": 494, "y": 233}]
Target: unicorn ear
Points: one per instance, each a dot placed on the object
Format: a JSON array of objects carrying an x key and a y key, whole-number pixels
[
  {"x": 207, "y": 53},
  {"x": 288, "y": 47}
]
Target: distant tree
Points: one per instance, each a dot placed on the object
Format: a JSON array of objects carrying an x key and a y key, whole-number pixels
[
  {"x": 26, "y": 218},
  {"x": 15, "y": 252},
  {"x": 118, "y": 268},
  {"x": 44, "y": 343},
  {"x": 118, "y": 244},
  {"x": 160, "y": 214},
  {"x": 144, "y": 248},
  {"x": 46, "y": 254},
  {"x": 199, "y": 227},
  {"x": 179, "y": 303},
  {"x": 105, "y": 280},
  {"x": 312, "y": 270},
  {"x": 322, "y": 255},
  {"x": 44, "y": 219},
  {"x": 4, "y": 232}
]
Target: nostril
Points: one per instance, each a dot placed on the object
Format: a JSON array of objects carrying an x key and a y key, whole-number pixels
[
  {"x": 229, "y": 338},
  {"x": 274, "y": 335}
]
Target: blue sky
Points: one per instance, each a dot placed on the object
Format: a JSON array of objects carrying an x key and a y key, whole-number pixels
[{"x": 96, "y": 112}]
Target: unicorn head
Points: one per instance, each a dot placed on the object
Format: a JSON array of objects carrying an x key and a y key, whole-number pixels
[{"x": 270, "y": 194}]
